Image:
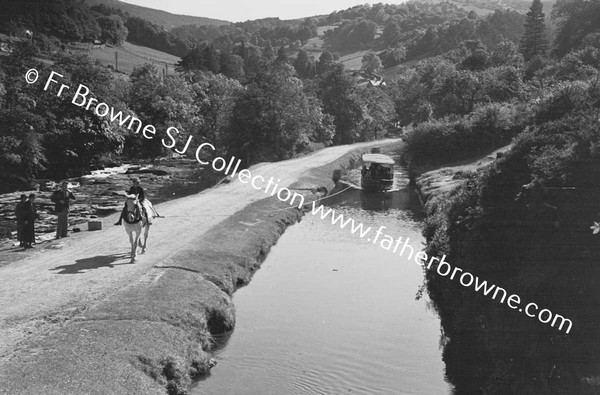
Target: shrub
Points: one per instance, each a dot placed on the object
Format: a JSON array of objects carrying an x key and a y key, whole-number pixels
[
  {"x": 486, "y": 128},
  {"x": 492, "y": 125},
  {"x": 563, "y": 99}
]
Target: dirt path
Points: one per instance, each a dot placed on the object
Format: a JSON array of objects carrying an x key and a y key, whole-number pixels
[{"x": 62, "y": 278}]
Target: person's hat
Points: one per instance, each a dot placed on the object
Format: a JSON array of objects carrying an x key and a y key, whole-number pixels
[
  {"x": 135, "y": 179},
  {"x": 23, "y": 196}
]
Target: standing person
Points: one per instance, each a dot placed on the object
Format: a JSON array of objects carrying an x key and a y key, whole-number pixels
[
  {"x": 136, "y": 189},
  {"x": 61, "y": 199},
  {"x": 29, "y": 215},
  {"x": 20, "y": 214}
]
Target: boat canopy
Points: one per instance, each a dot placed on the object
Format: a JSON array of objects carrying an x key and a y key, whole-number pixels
[{"x": 378, "y": 158}]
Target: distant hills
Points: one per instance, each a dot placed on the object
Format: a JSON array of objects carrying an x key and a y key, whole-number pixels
[
  {"x": 162, "y": 18},
  {"x": 170, "y": 21},
  {"x": 486, "y": 6}
]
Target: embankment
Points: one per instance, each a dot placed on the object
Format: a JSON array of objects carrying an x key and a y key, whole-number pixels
[
  {"x": 523, "y": 225},
  {"x": 154, "y": 336},
  {"x": 432, "y": 181}
]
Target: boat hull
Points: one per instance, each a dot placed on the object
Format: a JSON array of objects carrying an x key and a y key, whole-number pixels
[{"x": 376, "y": 185}]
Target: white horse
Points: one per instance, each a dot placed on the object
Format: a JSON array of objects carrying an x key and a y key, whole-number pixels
[{"x": 136, "y": 222}]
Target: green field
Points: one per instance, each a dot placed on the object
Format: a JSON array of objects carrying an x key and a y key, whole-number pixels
[
  {"x": 130, "y": 55},
  {"x": 353, "y": 61},
  {"x": 322, "y": 29},
  {"x": 315, "y": 44}
]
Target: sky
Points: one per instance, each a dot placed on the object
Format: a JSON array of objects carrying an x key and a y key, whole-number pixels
[{"x": 242, "y": 10}]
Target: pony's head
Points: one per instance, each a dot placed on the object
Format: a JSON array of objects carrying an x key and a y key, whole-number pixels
[{"x": 131, "y": 205}]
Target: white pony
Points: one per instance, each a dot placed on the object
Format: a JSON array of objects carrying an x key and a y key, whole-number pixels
[{"x": 136, "y": 222}]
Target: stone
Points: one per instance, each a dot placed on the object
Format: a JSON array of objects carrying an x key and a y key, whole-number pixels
[{"x": 94, "y": 224}]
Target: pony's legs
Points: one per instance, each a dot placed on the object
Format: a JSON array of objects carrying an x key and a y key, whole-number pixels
[
  {"x": 144, "y": 246},
  {"x": 138, "y": 233},
  {"x": 133, "y": 245}
]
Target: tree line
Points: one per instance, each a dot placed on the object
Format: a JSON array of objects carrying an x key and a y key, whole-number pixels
[
  {"x": 67, "y": 20},
  {"x": 258, "y": 108},
  {"x": 238, "y": 95}
]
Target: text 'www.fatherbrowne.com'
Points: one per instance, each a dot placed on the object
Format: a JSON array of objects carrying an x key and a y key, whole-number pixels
[{"x": 443, "y": 268}]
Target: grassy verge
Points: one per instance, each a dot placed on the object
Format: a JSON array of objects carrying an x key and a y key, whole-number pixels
[{"x": 155, "y": 335}]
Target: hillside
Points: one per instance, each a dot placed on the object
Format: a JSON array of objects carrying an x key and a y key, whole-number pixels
[
  {"x": 162, "y": 18},
  {"x": 484, "y": 7},
  {"x": 131, "y": 55}
]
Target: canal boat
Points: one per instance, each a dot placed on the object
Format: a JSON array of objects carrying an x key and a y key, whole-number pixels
[{"x": 377, "y": 173}]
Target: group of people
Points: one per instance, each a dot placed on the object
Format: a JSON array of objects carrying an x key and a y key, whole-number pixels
[{"x": 26, "y": 212}]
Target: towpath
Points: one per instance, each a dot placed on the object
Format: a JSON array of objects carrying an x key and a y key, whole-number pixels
[{"x": 58, "y": 279}]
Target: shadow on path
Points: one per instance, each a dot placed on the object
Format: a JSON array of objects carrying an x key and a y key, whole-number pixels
[{"x": 91, "y": 263}]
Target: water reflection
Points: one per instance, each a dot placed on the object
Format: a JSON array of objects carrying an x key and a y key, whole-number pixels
[{"x": 330, "y": 312}]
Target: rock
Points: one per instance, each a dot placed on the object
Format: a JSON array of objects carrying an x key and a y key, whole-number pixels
[
  {"x": 102, "y": 193},
  {"x": 94, "y": 225},
  {"x": 106, "y": 210},
  {"x": 48, "y": 186},
  {"x": 156, "y": 172}
]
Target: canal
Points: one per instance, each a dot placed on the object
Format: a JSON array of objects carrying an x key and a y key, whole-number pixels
[{"x": 331, "y": 313}]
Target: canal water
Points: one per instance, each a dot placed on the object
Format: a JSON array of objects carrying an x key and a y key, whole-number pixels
[{"x": 331, "y": 313}]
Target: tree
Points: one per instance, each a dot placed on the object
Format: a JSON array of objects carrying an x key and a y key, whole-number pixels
[
  {"x": 304, "y": 33},
  {"x": 393, "y": 56},
  {"x": 304, "y": 65},
  {"x": 506, "y": 54},
  {"x": 371, "y": 63},
  {"x": 144, "y": 33},
  {"x": 378, "y": 110},
  {"x": 212, "y": 59},
  {"x": 67, "y": 19},
  {"x": 411, "y": 98},
  {"x": 21, "y": 119},
  {"x": 74, "y": 138},
  {"x": 20, "y": 150},
  {"x": 457, "y": 92},
  {"x": 534, "y": 41},
  {"x": 502, "y": 83},
  {"x": 216, "y": 96},
  {"x": 363, "y": 33},
  {"x": 326, "y": 61},
  {"x": 477, "y": 55},
  {"x": 254, "y": 62},
  {"x": 269, "y": 52},
  {"x": 194, "y": 60},
  {"x": 161, "y": 102},
  {"x": 338, "y": 91},
  {"x": 576, "y": 19},
  {"x": 282, "y": 55},
  {"x": 274, "y": 118},
  {"x": 113, "y": 29},
  {"x": 232, "y": 65},
  {"x": 391, "y": 34}
]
